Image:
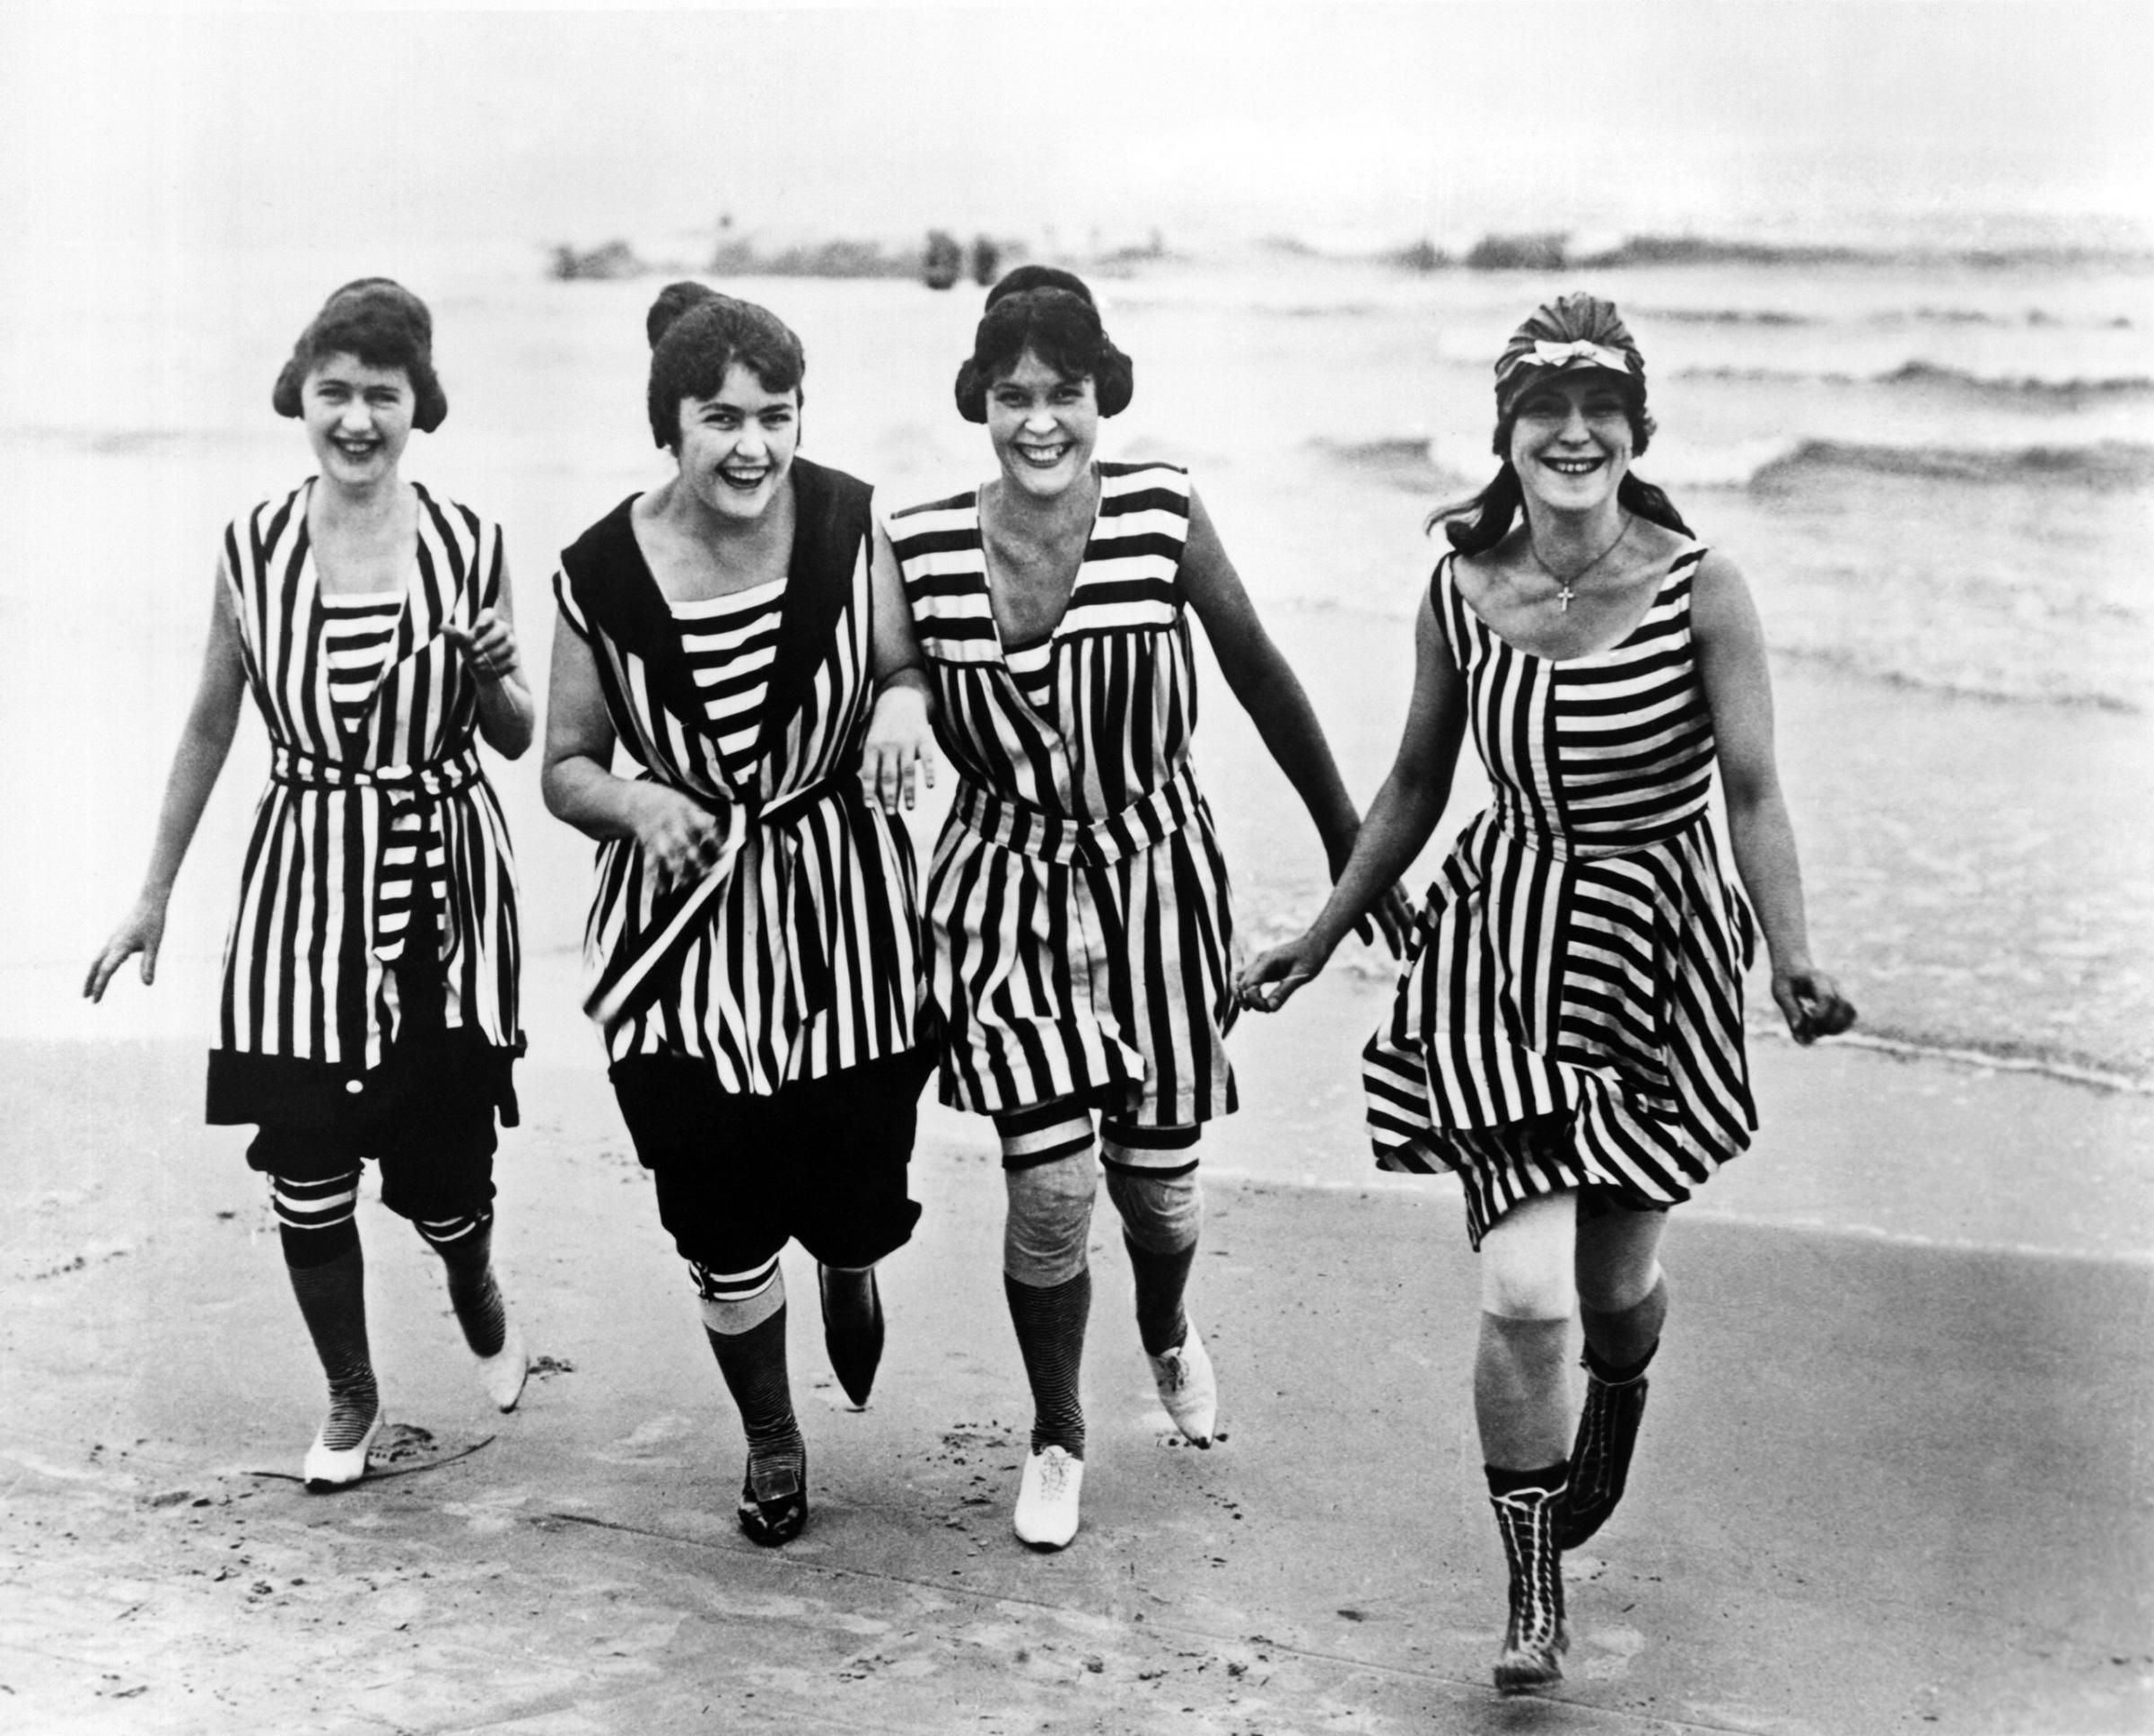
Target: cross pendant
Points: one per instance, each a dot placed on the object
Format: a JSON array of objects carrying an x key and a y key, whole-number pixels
[{"x": 1563, "y": 596}]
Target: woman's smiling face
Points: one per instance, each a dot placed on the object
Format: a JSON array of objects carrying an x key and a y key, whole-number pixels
[
  {"x": 735, "y": 446},
  {"x": 1044, "y": 426},
  {"x": 1571, "y": 441},
  {"x": 357, "y": 417}
]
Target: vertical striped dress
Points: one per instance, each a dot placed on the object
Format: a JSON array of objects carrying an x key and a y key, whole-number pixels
[
  {"x": 1077, "y": 906},
  {"x": 802, "y": 960},
  {"x": 375, "y": 796},
  {"x": 1571, "y": 1014}
]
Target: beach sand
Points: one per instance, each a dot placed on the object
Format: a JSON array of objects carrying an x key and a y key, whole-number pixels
[{"x": 1884, "y": 1484}]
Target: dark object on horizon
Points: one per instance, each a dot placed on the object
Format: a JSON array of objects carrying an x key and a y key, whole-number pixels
[
  {"x": 942, "y": 261},
  {"x": 604, "y": 264},
  {"x": 1423, "y": 255},
  {"x": 987, "y": 261},
  {"x": 1544, "y": 252},
  {"x": 838, "y": 258}
]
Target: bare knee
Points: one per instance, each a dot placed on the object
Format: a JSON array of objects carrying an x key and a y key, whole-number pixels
[
  {"x": 1049, "y": 1224},
  {"x": 1526, "y": 1261},
  {"x": 1160, "y": 1213}
]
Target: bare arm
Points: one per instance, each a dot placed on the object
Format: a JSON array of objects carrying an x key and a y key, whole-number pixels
[
  {"x": 204, "y": 743},
  {"x": 1399, "y": 823},
  {"x": 506, "y": 715},
  {"x": 1738, "y": 693},
  {"x": 900, "y": 745},
  {"x": 678, "y": 836},
  {"x": 1269, "y": 691}
]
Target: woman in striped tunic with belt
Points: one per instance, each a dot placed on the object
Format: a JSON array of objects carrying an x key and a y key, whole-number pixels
[
  {"x": 369, "y": 1007},
  {"x": 1568, "y": 1035},
  {"x": 739, "y": 631},
  {"x": 1077, "y": 905}
]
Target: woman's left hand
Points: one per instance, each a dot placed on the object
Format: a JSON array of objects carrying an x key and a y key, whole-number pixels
[
  {"x": 899, "y": 750},
  {"x": 1811, "y": 1003},
  {"x": 488, "y": 646}
]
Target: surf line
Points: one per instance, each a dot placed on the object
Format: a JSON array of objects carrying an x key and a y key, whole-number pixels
[{"x": 2064, "y": 1071}]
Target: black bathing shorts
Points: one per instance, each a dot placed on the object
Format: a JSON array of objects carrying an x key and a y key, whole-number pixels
[{"x": 822, "y": 1161}]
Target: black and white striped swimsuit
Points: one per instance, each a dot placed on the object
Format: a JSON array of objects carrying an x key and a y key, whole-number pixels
[
  {"x": 1077, "y": 906},
  {"x": 806, "y": 961},
  {"x": 729, "y": 643},
  {"x": 1581, "y": 955},
  {"x": 374, "y": 780}
]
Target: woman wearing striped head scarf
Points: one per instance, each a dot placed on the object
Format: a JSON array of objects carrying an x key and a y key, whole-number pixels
[
  {"x": 1077, "y": 906},
  {"x": 1568, "y": 1034},
  {"x": 739, "y": 631},
  {"x": 369, "y": 1006}
]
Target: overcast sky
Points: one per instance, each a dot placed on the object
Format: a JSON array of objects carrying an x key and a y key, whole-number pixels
[{"x": 290, "y": 125}]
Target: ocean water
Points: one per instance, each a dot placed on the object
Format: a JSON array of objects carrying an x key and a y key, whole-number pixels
[{"x": 1937, "y": 473}]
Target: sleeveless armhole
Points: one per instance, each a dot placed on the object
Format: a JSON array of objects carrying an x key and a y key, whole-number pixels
[{"x": 1443, "y": 601}]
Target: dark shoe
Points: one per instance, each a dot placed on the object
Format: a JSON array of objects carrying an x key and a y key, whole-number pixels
[
  {"x": 774, "y": 1499},
  {"x": 852, "y": 1329},
  {"x": 1600, "y": 1459},
  {"x": 1536, "y": 1638}
]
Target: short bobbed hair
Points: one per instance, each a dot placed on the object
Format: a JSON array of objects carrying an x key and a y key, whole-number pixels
[
  {"x": 385, "y": 326},
  {"x": 1050, "y": 314},
  {"x": 697, "y": 335}
]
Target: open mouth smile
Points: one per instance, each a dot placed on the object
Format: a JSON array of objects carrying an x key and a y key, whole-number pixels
[
  {"x": 746, "y": 480},
  {"x": 1574, "y": 467},
  {"x": 1044, "y": 458}
]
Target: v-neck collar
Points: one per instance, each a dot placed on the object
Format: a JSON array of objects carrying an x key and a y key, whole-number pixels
[{"x": 1053, "y": 637}]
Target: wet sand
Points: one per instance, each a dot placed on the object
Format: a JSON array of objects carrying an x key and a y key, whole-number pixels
[{"x": 1885, "y": 1485}]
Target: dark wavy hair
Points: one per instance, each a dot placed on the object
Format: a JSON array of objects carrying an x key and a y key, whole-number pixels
[
  {"x": 696, "y": 335},
  {"x": 1050, "y": 313},
  {"x": 385, "y": 326}
]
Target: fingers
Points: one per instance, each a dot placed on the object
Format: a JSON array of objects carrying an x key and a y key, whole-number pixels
[
  {"x": 149, "y": 962},
  {"x": 100, "y": 973}
]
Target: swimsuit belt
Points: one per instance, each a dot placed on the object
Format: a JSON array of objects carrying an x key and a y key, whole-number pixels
[
  {"x": 409, "y": 843},
  {"x": 1053, "y": 837},
  {"x": 647, "y": 956}
]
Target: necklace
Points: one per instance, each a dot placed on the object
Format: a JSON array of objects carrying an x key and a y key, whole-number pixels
[{"x": 1565, "y": 588}]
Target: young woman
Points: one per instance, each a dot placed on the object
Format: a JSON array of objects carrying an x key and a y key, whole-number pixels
[
  {"x": 1077, "y": 905},
  {"x": 1568, "y": 1034},
  {"x": 370, "y": 978},
  {"x": 739, "y": 631}
]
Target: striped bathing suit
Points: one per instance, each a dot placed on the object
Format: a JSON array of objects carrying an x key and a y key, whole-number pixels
[
  {"x": 1077, "y": 906},
  {"x": 805, "y": 960},
  {"x": 1572, "y": 1011},
  {"x": 729, "y": 643},
  {"x": 375, "y": 797},
  {"x": 356, "y": 635}
]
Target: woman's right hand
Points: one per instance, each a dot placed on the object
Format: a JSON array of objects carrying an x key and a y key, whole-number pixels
[
  {"x": 679, "y": 837},
  {"x": 1269, "y": 980},
  {"x": 143, "y": 932}
]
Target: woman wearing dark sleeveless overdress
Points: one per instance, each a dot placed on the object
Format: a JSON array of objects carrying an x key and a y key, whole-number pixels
[
  {"x": 1078, "y": 907},
  {"x": 739, "y": 630},
  {"x": 369, "y": 1008},
  {"x": 1568, "y": 1035}
]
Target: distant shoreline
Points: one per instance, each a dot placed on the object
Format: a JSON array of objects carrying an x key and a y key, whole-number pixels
[{"x": 1528, "y": 251}]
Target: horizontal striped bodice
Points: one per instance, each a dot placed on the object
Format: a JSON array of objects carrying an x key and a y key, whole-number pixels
[{"x": 1597, "y": 754}]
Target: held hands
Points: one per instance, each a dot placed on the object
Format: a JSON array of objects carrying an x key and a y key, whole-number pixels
[
  {"x": 488, "y": 646},
  {"x": 143, "y": 932},
  {"x": 679, "y": 839},
  {"x": 1811, "y": 1003},
  {"x": 899, "y": 750},
  {"x": 1268, "y": 981}
]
